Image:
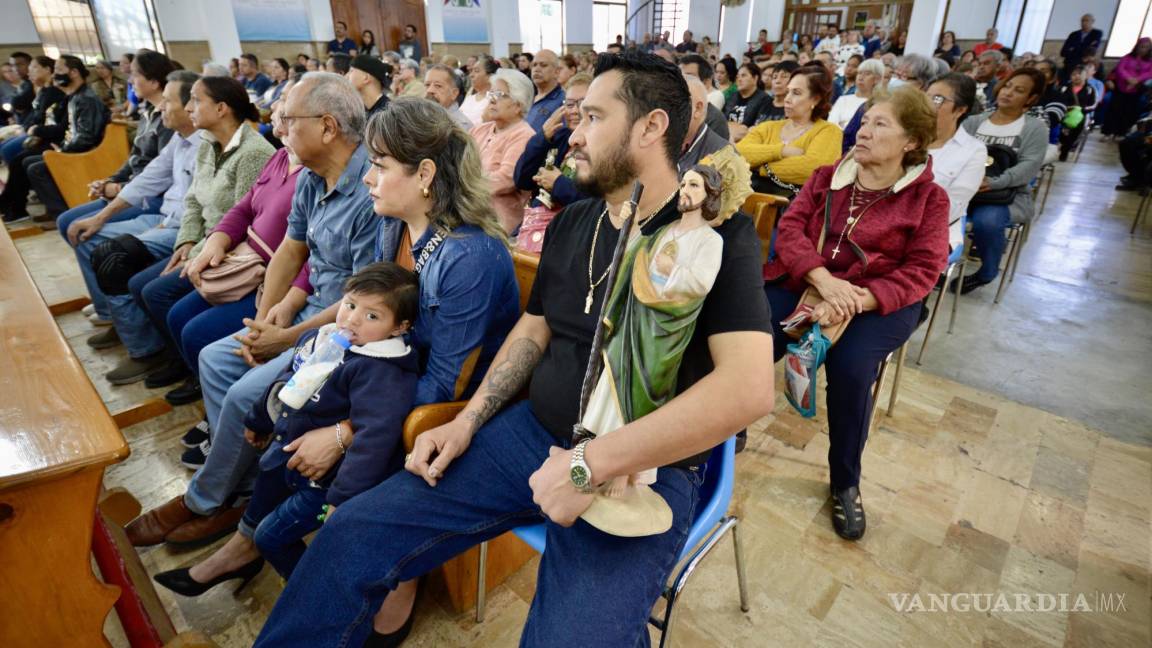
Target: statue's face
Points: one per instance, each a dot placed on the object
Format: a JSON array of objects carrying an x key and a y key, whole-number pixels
[{"x": 692, "y": 192}]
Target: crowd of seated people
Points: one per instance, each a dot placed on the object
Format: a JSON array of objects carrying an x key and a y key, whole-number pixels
[{"x": 384, "y": 200}]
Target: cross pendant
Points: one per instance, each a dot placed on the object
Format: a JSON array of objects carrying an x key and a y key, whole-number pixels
[
  {"x": 835, "y": 250},
  {"x": 588, "y": 303}
]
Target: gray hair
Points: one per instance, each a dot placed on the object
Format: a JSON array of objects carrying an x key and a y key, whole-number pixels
[
  {"x": 921, "y": 67},
  {"x": 873, "y": 66},
  {"x": 216, "y": 69},
  {"x": 997, "y": 55},
  {"x": 186, "y": 79},
  {"x": 942, "y": 66},
  {"x": 519, "y": 87},
  {"x": 410, "y": 64},
  {"x": 332, "y": 94}
]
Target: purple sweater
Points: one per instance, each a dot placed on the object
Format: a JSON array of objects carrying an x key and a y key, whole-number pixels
[{"x": 265, "y": 209}]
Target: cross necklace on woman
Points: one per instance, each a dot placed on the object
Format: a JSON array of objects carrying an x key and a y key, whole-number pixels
[{"x": 858, "y": 203}]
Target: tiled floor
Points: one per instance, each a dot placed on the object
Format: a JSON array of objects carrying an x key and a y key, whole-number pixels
[{"x": 1018, "y": 462}]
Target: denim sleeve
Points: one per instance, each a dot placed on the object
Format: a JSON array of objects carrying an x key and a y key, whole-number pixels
[
  {"x": 362, "y": 234},
  {"x": 565, "y": 192},
  {"x": 298, "y": 216},
  {"x": 471, "y": 283}
]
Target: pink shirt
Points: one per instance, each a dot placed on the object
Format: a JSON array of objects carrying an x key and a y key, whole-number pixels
[{"x": 499, "y": 152}]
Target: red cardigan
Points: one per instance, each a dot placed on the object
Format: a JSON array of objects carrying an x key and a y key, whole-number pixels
[{"x": 900, "y": 246}]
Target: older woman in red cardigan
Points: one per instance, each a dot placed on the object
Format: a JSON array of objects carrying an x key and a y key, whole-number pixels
[{"x": 885, "y": 242}]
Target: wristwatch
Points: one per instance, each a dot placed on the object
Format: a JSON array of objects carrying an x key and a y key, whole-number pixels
[{"x": 580, "y": 473}]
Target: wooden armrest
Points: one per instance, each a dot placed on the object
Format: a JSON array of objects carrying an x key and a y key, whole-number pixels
[
  {"x": 426, "y": 417},
  {"x": 73, "y": 171}
]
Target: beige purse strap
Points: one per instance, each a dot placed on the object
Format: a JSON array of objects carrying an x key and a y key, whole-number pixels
[{"x": 254, "y": 238}]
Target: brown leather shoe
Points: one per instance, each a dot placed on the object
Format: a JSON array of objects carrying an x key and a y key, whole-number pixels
[
  {"x": 151, "y": 527},
  {"x": 204, "y": 530}
]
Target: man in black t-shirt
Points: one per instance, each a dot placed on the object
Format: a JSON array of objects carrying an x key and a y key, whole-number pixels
[{"x": 500, "y": 464}]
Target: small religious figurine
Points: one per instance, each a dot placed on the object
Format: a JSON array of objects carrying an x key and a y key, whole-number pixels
[
  {"x": 662, "y": 282},
  {"x": 544, "y": 196}
]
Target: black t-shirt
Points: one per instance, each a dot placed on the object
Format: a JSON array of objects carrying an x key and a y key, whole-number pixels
[
  {"x": 735, "y": 303},
  {"x": 744, "y": 111},
  {"x": 769, "y": 111}
]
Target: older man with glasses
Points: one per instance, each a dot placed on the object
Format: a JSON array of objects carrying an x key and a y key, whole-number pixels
[{"x": 333, "y": 228}]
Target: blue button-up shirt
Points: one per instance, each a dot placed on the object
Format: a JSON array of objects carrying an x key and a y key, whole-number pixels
[
  {"x": 543, "y": 109},
  {"x": 169, "y": 173},
  {"x": 338, "y": 226}
]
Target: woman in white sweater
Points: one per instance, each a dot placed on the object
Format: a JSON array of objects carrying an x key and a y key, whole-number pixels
[{"x": 958, "y": 158}]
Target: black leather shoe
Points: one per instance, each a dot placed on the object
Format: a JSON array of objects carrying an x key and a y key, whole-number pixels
[
  {"x": 185, "y": 394},
  {"x": 169, "y": 374},
  {"x": 972, "y": 282},
  {"x": 848, "y": 513},
  {"x": 181, "y": 582}
]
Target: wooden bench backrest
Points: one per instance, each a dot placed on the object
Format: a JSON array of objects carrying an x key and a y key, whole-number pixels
[
  {"x": 764, "y": 210},
  {"x": 74, "y": 171}
]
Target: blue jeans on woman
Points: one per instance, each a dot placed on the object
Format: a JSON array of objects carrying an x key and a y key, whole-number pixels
[
  {"x": 10, "y": 149},
  {"x": 283, "y": 509},
  {"x": 194, "y": 323},
  {"x": 156, "y": 293},
  {"x": 851, "y": 369},
  {"x": 988, "y": 236},
  {"x": 592, "y": 588}
]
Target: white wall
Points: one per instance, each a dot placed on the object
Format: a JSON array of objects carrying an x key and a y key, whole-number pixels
[
  {"x": 1066, "y": 16},
  {"x": 766, "y": 14},
  {"x": 926, "y": 22},
  {"x": 206, "y": 20},
  {"x": 735, "y": 25},
  {"x": 970, "y": 20},
  {"x": 503, "y": 25},
  {"x": 703, "y": 20},
  {"x": 320, "y": 20},
  {"x": 578, "y": 22},
  {"x": 17, "y": 25}
]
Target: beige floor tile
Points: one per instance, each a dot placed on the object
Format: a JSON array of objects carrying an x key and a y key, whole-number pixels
[
  {"x": 991, "y": 504},
  {"x": 1051, "y": 528}
]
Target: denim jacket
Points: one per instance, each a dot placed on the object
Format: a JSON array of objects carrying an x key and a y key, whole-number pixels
[{"x": 469, "y": 298}]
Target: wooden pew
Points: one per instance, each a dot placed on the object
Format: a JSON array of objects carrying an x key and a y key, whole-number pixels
[
  {"x": 764, "y": 210},
  {"x": 455, "y": 580},
  {"x": 73, "y": 171},
  {"x": 56, "y": 438}
]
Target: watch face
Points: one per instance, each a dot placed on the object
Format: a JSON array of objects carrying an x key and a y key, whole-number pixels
[{"x": 579, "y": 476}]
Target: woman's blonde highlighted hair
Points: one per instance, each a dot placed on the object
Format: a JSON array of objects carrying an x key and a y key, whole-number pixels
[{"x": 412, "y": 130}]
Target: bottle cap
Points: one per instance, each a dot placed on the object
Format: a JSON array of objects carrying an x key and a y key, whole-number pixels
[{"x": 341, "y": 338}]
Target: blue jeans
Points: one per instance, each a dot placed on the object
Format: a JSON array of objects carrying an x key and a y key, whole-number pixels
[
  {"x": 988, "y": 236},
  {"x": 194, "y": 323},
  {"x": 230, "y": 388},
  {"x": 84, "y": 211},
  {"x": 10, "y": 149},
  {"x": 156, "y": 293},
  {"x": 851, "y": 369},
  {"x": 283, "y": 509},
  {"x": 592, "y": 589}
]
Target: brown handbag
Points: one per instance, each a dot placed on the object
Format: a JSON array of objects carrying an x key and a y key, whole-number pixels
[
  {"x": 241, "y": 272},
  {"x": 810, "y": 298}
]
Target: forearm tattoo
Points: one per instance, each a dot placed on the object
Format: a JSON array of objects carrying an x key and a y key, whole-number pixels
[{"x": 505, "y": 380}]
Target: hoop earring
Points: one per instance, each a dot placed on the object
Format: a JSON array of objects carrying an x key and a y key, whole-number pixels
[{"x": 424, "y": 190}]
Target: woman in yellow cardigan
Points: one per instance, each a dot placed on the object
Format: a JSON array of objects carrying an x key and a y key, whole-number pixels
[{"x": 784, "y": 153}]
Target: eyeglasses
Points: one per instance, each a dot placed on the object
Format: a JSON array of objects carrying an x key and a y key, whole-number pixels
[
  {"x": 939, "y": 100},
  {"x": 573, "y": 103},
  {"x": 497, "y": 95},
  {"x": 287, "y": 120}
]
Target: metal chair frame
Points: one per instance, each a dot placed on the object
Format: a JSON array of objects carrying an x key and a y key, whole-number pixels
[
  {"x": 1017, "y": 235},
  {"x": 709, "y": 527}
]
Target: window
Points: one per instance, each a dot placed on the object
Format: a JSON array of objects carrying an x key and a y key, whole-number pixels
[
  {"x": 608, "y": 20},
  {"x": 66, "y": 27},
  {"x": 542, "y": 25},
  {"x": 1133, "y": 20},
  {"x": 671, "y": 16},
  {"x": 1022, "y": 24}
]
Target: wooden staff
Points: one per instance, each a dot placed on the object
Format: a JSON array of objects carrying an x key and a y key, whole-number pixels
[{"x": 595, "y": 359}]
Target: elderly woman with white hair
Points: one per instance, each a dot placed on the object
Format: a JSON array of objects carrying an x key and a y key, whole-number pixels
[
  {"x": 502, "y": 139},
  {"x": 869, "y": 76}
]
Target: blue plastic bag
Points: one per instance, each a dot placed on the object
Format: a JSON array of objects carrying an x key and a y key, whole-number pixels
[{"x": 801, "y": 363}]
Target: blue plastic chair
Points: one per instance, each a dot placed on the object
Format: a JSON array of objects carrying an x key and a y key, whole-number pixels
[
  {"x": 957, "y": 261},
  {"x": 712, "y": 522}
]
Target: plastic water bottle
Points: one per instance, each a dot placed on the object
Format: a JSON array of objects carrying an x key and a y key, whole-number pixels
[{"x": 314, "y": 371}]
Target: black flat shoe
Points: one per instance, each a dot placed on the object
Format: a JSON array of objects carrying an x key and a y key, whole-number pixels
[
  {"x": 169, "y": 374},
  {"x": 196, "y": 435},
  {"x": 972, "y": 282},
  {"x": 185, "y": 394},
  {"x": 848, "y": 513},
  {"x": 394, "y": 639},
  {"x": 181, "y": 582}
]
